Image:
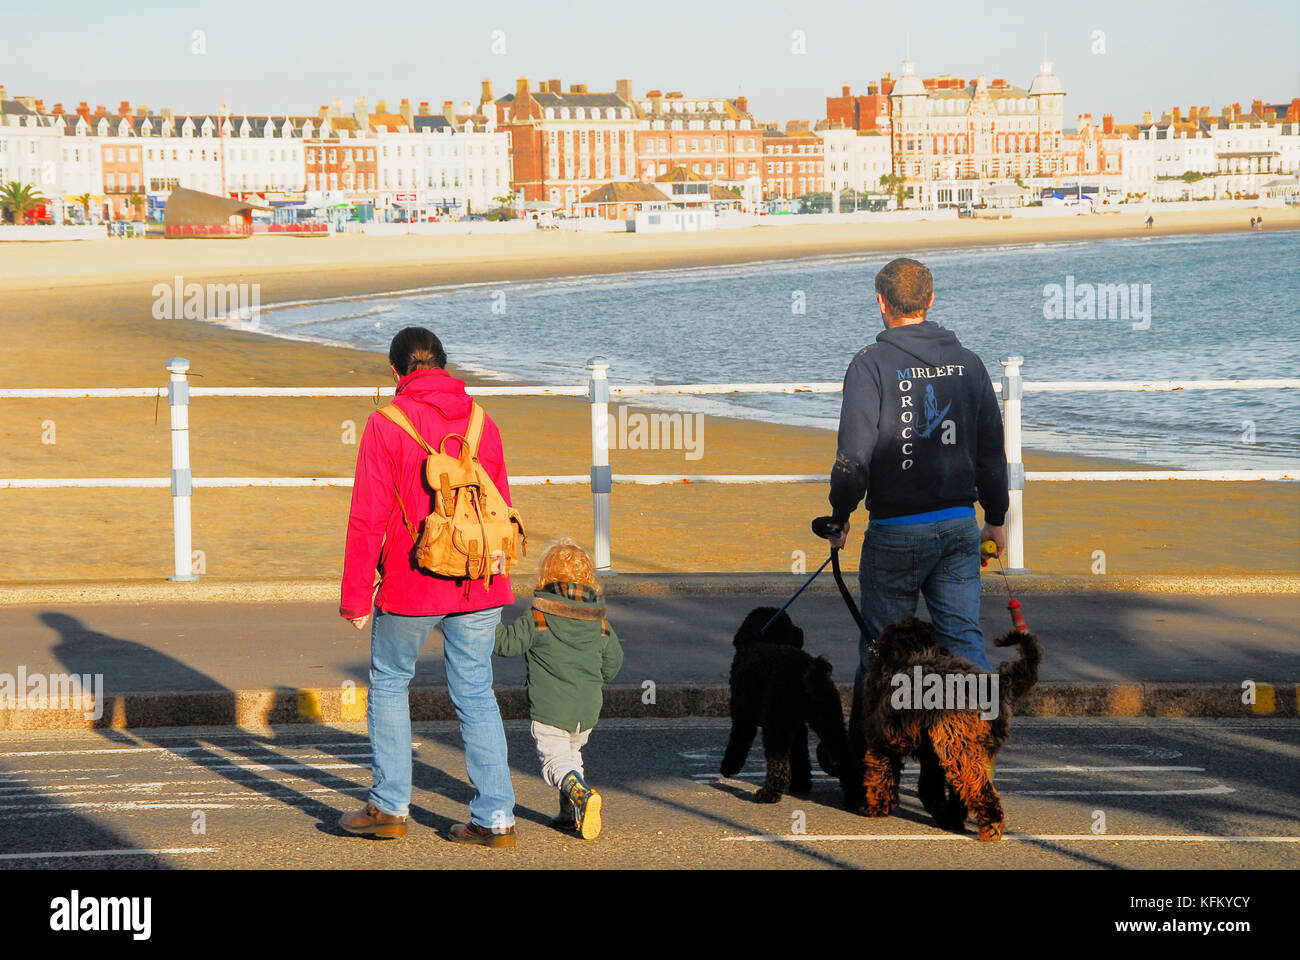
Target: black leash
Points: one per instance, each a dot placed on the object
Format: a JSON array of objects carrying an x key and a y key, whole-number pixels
[{"x": 826, "y": 528}]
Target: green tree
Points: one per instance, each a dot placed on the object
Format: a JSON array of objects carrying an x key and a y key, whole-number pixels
[
  {"x": 137, "y": 201},
  {"x": 84, "y": 200},
  {"x": 18, "y": 198},
  {"x": 896, "y": 184},
  {"x": 1191, "y": 176}
]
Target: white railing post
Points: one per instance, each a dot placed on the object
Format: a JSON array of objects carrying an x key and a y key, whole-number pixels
[
  {"x": 601, "y": 477},
  {"x": 178, "y": 398},
  {"x": 1013, "y": 389}
]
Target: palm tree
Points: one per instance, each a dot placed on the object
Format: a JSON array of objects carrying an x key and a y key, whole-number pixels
[
  {"x": 18, "y": 198},
  {"x": 84, "y": 200},
  {"x": 896, "y": 184},
  {"x": 137, "y": 201}
]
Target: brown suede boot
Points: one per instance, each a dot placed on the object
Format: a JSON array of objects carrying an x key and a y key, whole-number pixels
[
  {"x": 483, "y": 836},
  {"x": 373, "y": 823}
]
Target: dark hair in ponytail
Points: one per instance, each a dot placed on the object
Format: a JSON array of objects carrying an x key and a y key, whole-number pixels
[{"x": 416, "y": 348}]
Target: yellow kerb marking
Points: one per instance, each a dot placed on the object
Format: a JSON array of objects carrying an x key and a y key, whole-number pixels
[
  {"x": 356, "y": 710},
  {"x": 309, "y": 705},
  {"x": 1264, "y": 704}
]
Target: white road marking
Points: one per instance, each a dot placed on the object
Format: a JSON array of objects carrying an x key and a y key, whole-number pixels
[
  {"x": 1215, "y": 791},
  {"x": 189, "y": 749},
  {"x": 57, "y": 855},
  {"x": 1025, "y": 838}
]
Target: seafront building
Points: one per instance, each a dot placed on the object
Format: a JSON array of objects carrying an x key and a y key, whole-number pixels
[
  {"x": 951, "y": 142},
  {"x": 564, "y": 145}
]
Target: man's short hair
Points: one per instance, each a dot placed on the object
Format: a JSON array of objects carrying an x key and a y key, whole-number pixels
[
  {"x": 906, "y": 286},
  {"x": 416, "y": 348}
]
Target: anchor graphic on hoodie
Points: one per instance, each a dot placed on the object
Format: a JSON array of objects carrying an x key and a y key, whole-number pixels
[{"x": 933, "y": 415}]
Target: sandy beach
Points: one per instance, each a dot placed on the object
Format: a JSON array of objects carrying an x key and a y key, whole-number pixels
[{"x": 79, "y": 315}]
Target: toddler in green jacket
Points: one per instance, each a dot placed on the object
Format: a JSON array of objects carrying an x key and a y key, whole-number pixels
[{"x": 571, "y": 651}]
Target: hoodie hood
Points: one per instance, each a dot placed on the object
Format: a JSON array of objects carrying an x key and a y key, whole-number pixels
[
  {"x": 438, "y": 389},
  {"x": 927, "y": 341}
]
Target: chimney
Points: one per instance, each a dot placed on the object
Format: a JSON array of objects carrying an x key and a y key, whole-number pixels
[
  {"x": 360, "y": 113},
  {"x": 873, "y": 89},
  {"x": 449, "y": 111},
  {"x": 522, "y": 96},
  {"x": 624, "y": 89},
  {"x": 655, "y": 94},
  {"x": 1146, "y": 116},
  {"x": 1107, "y": 123},
  {"x": 83, "y": 109},
  {"x": 4, "y": 94},
  {"x": 466, "y": 108},
  {"x": 553, "y": 86},
  {"x": 577, "y": 88},
  {"x": 1178, "y": 114},
  {"x": 742, "y": 104},
  {"x": 323, "y": 113},
  {"x": 381, "y": 106},
  {"x": 846, "y": 90},
  {"x": 337, "y": 109},
  {"x": 485, "y": 93},
  {"x": 407, "y": 114},
  {"x": 124, "y": 108},
  {"x": 58, "y": 110},
  {"x": 424, "y": 108},
  {"x": 169, "y": 114},
  {"x": 40, "y": 106},
  {"x": 140, "y": 111}
]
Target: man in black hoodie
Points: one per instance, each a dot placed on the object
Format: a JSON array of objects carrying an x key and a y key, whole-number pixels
[{"x": 921, "y": 436}]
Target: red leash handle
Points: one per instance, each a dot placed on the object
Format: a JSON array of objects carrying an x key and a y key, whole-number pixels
[{"x": 1017, "y": 620}]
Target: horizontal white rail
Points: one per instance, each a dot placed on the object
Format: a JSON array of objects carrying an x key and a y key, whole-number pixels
[
  {"x": 1152, "y": 386},
  {"x": 628, "y": 390},
  {"x": 647, "y": 479},
  {"x": 1216, "y": 475},
  {"x": 47, "y": 483}
]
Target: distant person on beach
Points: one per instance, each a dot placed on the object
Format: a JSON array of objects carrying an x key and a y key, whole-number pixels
[
  {"x": 1252, "y": 223},
  {"x": 1259, "y": 223},
  {"x": 389, "y": 490},
  {"x": 1149, "y": 221},
  {"x": 921, "y": 436},
  {"x": 571, "y": 651}
]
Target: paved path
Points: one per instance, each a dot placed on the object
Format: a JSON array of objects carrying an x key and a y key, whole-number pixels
[
  {"x": 1181, "y": 794},
  {"x": 1099, "y": 638}
]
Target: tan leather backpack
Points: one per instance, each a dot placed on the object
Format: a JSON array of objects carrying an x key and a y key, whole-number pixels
[{"x": 471, "y": 532}]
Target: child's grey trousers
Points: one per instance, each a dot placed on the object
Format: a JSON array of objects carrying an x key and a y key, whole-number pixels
[{"x": 559, "y": 750}]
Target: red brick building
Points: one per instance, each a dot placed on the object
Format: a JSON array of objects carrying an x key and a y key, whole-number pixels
[
  {"x": 869, "y": 112},
  {"x": 793, "y": 161},
  {"x": 716, "y": 139},
  {"x": 565, "y": 145}
]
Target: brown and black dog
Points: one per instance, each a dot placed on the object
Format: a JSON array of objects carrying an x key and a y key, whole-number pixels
[{"x": 955, "y": 747}]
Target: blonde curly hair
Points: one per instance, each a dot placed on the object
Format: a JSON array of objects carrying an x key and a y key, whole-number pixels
[{"x": 566, "y": 562}]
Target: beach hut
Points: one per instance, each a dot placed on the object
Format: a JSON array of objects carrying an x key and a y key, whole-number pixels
[
  {"x": 191, "y": 213},
  {"x": 621, "y": 200},
  {"x": 1005, "y": 195}
]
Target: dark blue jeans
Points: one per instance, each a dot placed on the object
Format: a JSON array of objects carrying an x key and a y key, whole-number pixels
[{"x": 939, "y": 560}]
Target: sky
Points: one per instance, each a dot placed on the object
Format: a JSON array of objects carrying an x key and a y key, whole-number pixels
[{"x": 287, "y": 56}]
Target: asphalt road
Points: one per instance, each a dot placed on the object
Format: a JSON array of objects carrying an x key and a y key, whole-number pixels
[{"x": 1202, "y": 794}]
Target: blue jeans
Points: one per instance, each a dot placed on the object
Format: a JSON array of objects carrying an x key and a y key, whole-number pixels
[
  {"x": 940, "y": 560},
  {"x": 395, "y": 643}
]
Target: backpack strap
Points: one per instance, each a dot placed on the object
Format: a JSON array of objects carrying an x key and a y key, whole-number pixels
[
  {"x": 394, "y": 413},
  {"x": 474, "y": 432}
]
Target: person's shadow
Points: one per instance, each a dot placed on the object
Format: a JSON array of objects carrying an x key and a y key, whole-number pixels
[{"x": 139, "y": 667}]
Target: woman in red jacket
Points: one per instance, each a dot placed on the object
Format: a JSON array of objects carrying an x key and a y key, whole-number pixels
[{"x": 411, "y": 603}]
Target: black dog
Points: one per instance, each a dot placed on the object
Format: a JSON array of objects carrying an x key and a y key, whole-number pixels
[{"x": 776, "y": 686}]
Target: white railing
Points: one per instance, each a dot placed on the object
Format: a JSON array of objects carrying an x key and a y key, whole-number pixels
[{"x": 598, "y": 390}]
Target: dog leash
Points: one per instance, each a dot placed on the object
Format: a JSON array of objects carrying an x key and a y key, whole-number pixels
[
  {"x": 796, "y": 595},
  {"x": 826, "y": 528},
  {"x": 990, "y": 549}
]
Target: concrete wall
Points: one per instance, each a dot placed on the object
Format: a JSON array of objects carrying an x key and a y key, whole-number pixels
[{"x": 11, "y": 232}]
